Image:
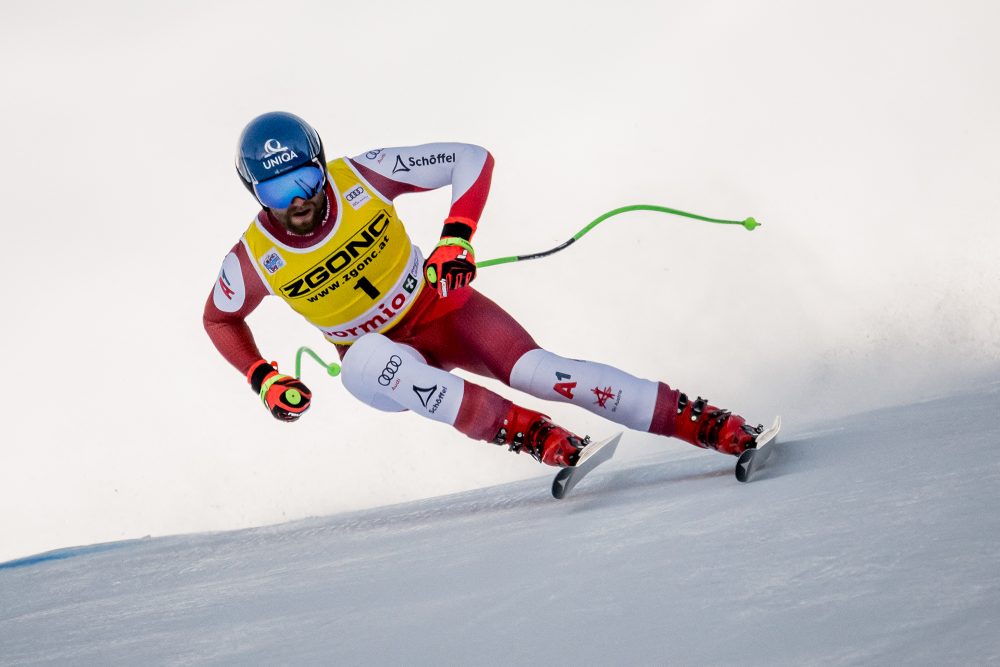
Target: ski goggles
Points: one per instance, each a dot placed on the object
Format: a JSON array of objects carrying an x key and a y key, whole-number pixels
[{"x": 279, "y": 192}]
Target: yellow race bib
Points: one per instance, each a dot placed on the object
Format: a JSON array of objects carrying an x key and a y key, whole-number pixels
[{"x": 361, "y": 278}]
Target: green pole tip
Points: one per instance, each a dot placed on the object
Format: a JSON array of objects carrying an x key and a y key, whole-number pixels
[
  {"x": 751, "y": 224},
  {"x": 333, "y": 369}
]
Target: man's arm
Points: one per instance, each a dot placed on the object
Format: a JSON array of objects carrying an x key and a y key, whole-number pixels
[
  {"x": 468, "y": 169},
  {"x": 237, "y": 292}
]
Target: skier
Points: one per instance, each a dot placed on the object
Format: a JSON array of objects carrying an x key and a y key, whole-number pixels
[{"x": 328, "y": 241}]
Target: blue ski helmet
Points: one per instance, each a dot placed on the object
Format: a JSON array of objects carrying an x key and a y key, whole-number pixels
[{"x": 280, "y": 157}]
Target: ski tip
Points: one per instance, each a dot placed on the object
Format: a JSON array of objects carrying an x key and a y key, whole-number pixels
[
  {"x": 594, "y": 447},
  {"x": 769, "y": 434}
]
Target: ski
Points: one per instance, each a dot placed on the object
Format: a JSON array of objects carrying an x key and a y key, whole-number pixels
[
  {"x": 752, "y": 461},
  {"x": 593, "y": 455}
]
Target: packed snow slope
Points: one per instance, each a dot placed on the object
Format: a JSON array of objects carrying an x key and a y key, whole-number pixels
[{"x": 872, "y": 540}]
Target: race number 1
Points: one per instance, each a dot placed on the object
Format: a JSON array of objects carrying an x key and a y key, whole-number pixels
[{"x": 366, "y": 286}]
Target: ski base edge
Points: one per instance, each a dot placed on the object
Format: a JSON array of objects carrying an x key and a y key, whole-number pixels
[{"x": 752, "y": 461}]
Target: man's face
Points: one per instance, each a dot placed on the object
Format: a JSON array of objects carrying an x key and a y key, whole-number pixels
[{"x": 302, "y": 216}]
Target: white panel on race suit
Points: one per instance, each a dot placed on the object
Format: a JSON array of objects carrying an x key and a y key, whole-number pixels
[
  {"x": 393, "y": 377},
  {"x": 230, "y": 292}
]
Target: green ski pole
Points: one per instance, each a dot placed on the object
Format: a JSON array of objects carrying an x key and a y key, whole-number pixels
[{"x": 749, "y": 224}]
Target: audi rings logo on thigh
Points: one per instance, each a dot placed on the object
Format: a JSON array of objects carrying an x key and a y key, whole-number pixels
[{"x": 390, "y": 369}]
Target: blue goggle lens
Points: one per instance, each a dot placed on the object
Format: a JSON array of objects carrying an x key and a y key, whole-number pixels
[{"x": 279, "y": 192}]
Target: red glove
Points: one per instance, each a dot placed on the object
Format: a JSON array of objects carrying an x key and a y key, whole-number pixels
[
  {"x": 285, "y": 397},
  {"x": 452, "y": 265}
]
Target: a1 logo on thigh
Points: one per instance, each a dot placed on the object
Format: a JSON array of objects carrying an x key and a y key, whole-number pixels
[{"x": 562, "y": 386}]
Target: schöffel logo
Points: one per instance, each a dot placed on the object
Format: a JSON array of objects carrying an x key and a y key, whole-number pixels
[
  {"x": 390, "y": 369},
  {"x": 399, "y": 166},
  {"x": 425, "y": 394},
  {"x": 422, "y": 161},
  {"x": 340, "y": 259},
  {"x": 276, "y": 154}
]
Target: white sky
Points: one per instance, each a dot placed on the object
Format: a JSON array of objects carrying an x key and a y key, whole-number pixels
[{"x": 864, "y": 135}]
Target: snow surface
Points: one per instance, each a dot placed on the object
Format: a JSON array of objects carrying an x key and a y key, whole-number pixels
[
  {"x": 872, "y": 540},
  {"x": 865, "y": 136}
]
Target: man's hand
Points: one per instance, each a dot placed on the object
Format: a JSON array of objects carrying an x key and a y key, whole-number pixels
[
  {"x": 451, "y": 265},
  {"x": 285, "y": 397}
]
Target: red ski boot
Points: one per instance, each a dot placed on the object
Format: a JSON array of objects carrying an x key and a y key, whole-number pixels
[
  {"x": 536, "y": 434},
  {"x": 707, "y": 426}
]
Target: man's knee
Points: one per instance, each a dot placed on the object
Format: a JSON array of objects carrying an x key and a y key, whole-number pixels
[
  {"x": 392, "y": 377},
  {"x": 369, "y": 366}
]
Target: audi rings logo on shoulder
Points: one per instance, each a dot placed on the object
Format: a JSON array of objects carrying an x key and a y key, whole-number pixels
[
  {"x": 272, "y": 146},
  {"x": 389, "y": 371}
]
